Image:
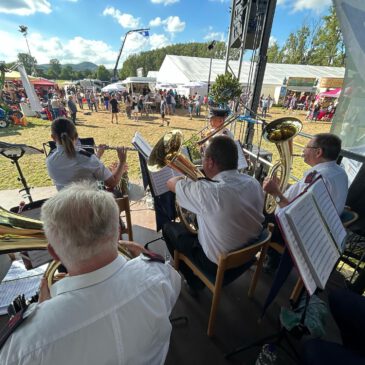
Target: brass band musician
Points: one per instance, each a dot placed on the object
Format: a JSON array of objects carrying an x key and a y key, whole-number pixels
[
  {"x": 69, "y": 162},
  {"x": 228, "y": 206},
  {"x": 108, "y": 310}
]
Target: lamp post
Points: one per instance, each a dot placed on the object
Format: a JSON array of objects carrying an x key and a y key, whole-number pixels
[
  {"x": 144, "y": 32},
  {"x": 24, "y": 30},
  {"x": 210, "y": 47}
]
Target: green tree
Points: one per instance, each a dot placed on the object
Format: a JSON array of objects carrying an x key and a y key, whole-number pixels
[
  {"x": 66, "y": 73},
  {"x": 29, "y": 62},
  {"x": 274, "y": 53},
  {"x": 328, "y": 45},
  {"x": 225, "y": 88},
  {"x": 102, "y": 73},
  {"x": 55, "y": 68}
]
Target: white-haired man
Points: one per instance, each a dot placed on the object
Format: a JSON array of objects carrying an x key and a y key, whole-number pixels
[{"x": 108, "y": 310}]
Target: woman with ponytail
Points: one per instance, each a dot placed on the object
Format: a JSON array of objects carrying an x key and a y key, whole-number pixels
[{"x": 68, "y": 162}]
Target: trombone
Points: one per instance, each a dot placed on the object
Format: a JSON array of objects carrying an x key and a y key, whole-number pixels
[{"x": 94, "y": 146}]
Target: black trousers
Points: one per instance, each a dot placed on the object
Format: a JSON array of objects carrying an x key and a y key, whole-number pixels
[
  {"x": 348, "y": 310},
  {"x": 73, "y": 118},
  {"x": 179, "y": 238}
]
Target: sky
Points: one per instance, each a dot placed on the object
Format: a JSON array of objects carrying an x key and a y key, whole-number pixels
[{"x": 74, "y": 31}]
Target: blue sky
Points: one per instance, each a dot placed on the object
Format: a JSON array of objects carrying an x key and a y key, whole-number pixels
[{"x": 91, "y": 30}]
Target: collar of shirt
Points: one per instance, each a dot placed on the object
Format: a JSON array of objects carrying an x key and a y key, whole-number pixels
[
  {"x": 225, "y": 174},
  {"x": 82, "y": 281},
  {"x": 321, "y": 166}
]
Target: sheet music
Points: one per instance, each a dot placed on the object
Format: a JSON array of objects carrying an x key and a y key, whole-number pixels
[
  {"x": 38, "y": 257},
  {"x": 159, "y": 180},
  {"x": 142, "y": 145},
  {"x": 297, "y": 255},
  {"x": 242, "y": 162},
  {"x": 313, "y": 237},
  {"x": 329, "y": 212}
]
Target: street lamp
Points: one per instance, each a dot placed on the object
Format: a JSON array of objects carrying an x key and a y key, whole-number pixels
[
  {"x": 210, "y": 48},
  {"x": 144, "y": 32},
  {"x": 24, "y": 30}
]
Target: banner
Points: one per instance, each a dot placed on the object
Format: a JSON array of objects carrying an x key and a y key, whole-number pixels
[{"x": 29, "y": 89}]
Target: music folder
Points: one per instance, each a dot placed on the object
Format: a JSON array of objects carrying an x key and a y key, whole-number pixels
[
  {"x": 314, "y": 234},
  {"x": 158, "y": 179}
]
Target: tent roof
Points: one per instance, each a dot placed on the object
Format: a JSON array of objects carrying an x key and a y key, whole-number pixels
[
  {"x": 15, "y": 75},
  {"x": 139, "y": 80},
  {"x": 42, "y": 82},
  {"x": 197, "y": 69},
  {"x": 332, "y": 93}
]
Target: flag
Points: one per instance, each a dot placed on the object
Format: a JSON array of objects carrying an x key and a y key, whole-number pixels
[{"x": 145, "y": 33}]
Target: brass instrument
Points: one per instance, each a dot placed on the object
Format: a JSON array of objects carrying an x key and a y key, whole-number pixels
[
  {"x": 167, "y": 153},
  {"x": 281, "y": 132},
  {"x": 19, "y": 233},
  {"x": 107, "y": 147}
]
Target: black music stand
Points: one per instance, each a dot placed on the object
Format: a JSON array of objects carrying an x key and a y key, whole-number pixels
[{"x": 14, "y": 152}]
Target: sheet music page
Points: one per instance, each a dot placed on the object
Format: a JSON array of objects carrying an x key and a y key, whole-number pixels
[
  {"x": 39, "y": 257},
  {"x": 329, "y": 212},
  {"x": 314, "y": 239},
  {"x": 298, "y": 257},
  {"x": 242, "y": 162},
  {"x": 141, "y": 144},
  {"x": 159, "y": 180}
]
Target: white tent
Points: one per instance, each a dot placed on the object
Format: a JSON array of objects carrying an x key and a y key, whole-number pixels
[
  {"x": 114, "y": 88},
  {"x": 182, "y": 70}
]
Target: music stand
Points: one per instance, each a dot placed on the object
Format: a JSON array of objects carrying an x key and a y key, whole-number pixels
[{"x": 14, "y": 152}]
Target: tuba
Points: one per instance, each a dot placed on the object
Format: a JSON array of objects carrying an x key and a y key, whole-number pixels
[
  {"x": 19, "y": 233},
  {"x": 167, "y": 153},
  {"x": 281, "y": 132}
]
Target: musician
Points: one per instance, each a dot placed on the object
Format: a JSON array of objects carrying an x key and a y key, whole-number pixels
[
  {"x": 108, "y": 310},
  {"x": 216, "y": 120},
  {"x": 228, "y": 207},
  {"x": 69, "y": 162},
  {"x": 321, "y": 154}
]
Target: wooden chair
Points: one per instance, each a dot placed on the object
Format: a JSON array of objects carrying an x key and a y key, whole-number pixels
[
  {"x": 239, "y": 261},
  {"x": 123, "y": 204}
]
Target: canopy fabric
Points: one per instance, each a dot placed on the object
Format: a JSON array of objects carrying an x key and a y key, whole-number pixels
[
  {"x": 41, "y": 82},
  {"x": 194, "y": 84},
  {"x": 166, "y": 85},
  {"x": 331, "y": 93},
  {"x": 114, "y": 87},
  {"x": 15, "y": 75}
]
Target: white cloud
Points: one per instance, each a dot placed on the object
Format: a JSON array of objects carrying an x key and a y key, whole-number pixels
[
  {"x": 158, "y": 41},
  {"x": 173, "y": 24},
  {"x": 272, "y": 41},
  {"x": 317, "y": 6},
  {"x": 218, "y": 36},
  {"x": 220, "y": 1},
  {"x": 124, "y": 19},
  {"x": 25, "y": 7},
  {"x": 155, "y": 22},
  {"x": 164, "y": 2}
]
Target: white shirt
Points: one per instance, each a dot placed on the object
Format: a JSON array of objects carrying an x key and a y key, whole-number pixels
[
  {"x": 335, "y": 179},
  {"x": 64, "y": 170},
  {"x": 118, "y": 314},
  {"x": 229, "y": 211}
]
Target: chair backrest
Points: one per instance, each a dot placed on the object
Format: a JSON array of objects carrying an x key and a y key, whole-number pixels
[
  {"x": 239, "y": 257},
  {"x": 123, "y": 204}
]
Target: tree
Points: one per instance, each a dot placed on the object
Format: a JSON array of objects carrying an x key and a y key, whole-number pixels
[
  {"x": 225, "y": 88},
  {"x": 66, "y": 73},
  {"x": 328, "y": 45},
  {"x": 54, "y": 71},
  {"x": 102, "y": 73},
  {"x": 274, "y": 54},
  {"x": 29, "y": 62}
]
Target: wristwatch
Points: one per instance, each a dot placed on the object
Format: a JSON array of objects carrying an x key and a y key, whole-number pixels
[{"x": 278, "y": 199}]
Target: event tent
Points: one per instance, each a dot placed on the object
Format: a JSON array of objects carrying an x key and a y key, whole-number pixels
[
  {"x": 40, "y": 81},
  {"x": 118, "y": 86},
  {"x": 15, "y": 75},
  {"x": 183, "y": 69},
  {"x": 331, "y": 93}
]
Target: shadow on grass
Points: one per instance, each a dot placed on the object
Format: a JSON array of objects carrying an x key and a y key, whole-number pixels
[{"x": 15, "y": 130}]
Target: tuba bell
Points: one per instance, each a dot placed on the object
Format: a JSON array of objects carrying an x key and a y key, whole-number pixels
[
  {"x": 281, "y": 132},
  {"x": 19, "y": 233},
  {"x": 167, "y": 152}
]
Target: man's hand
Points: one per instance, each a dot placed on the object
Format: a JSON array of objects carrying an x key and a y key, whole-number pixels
[
  {"x": 271, "y": 186},
  {"x": 44, "y": 293},
  {"x": 122, "y": 155},
  {"x": 135, "y": 249},
  {"x": 171, "y": 183}
]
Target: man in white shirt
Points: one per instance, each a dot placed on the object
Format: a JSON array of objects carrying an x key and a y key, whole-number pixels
[
  {"x": 107, "y": 310},
  {"x": 228, "y": 206}
]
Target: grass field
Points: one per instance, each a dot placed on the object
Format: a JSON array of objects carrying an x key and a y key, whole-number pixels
[{"x": 98, "y": 125}]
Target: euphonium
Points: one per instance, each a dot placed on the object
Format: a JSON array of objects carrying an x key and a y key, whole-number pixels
[
  {"x": 166, "y": 152},
  {"x": 19, "y": 233},
  {"x": 281, "y": 132}
]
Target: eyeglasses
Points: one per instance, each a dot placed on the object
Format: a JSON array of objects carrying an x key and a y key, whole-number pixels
[{"x": 311, "y": 147}]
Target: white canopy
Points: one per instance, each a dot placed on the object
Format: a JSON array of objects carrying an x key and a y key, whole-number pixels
[{"x": 114, "y": 88}]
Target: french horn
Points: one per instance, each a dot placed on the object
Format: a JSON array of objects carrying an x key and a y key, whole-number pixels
[
  {"x": 281, "y": 132},
  {"x": 167, "y": 152},
  {"x": 19, "y": 233}
]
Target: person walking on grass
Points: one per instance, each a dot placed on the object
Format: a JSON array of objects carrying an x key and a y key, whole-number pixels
[
  {"x": 163, "y": 110},
  {"x": 115, "y": 110}
]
